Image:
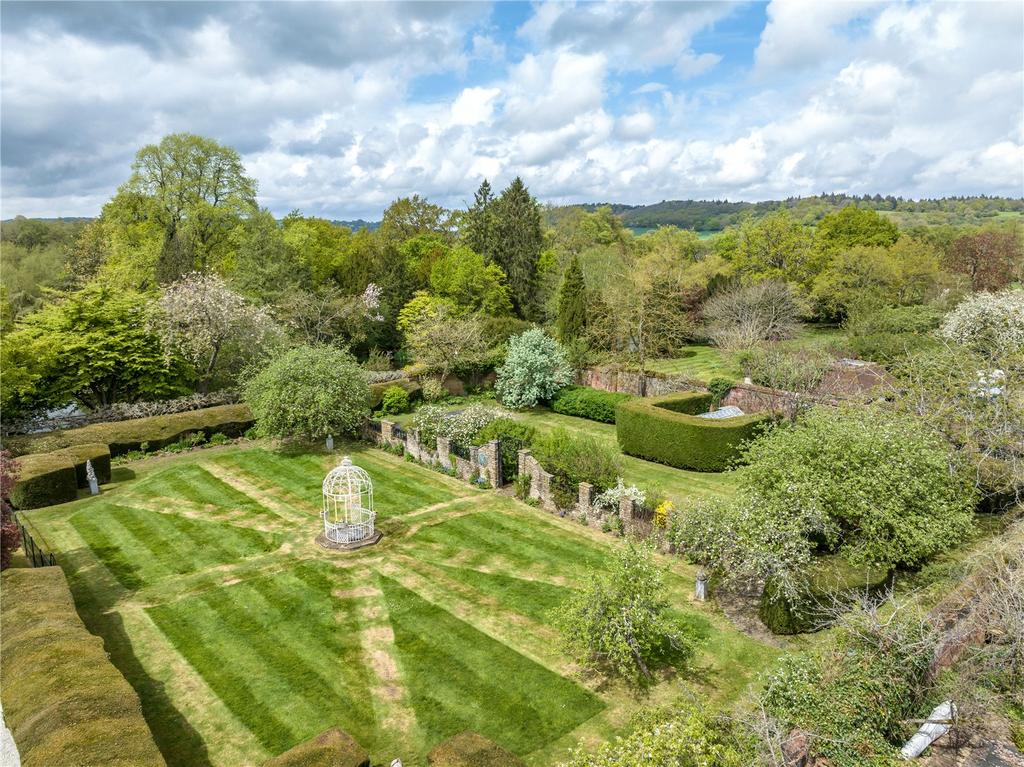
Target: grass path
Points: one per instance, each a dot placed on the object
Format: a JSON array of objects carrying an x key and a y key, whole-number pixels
[{"x": 244, "y": 638}]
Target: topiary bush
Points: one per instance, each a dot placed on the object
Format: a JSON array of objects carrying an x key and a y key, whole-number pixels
[
  {"x": 718, "y": 387},
  {"x": 470, "y": 749},
  {"x": 829, "y": 583},
  {"x": 331, "y": 748},
  {"x": 44, "y": 479},
  {"x": 667, "y": 430},
  {"x": 309, "y": 392},
  {"x": 98, "y": 453},
  {"x": 573, "y": 459},
  {"x": 584, "y": 402},
  {"x": 394, "y": 401}
]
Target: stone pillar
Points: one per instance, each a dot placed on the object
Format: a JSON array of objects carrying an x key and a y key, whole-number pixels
[
  {"x": 488, "y": 459},
  {"x": 701, "y": 588},
  {"x": 521, "y": 460},
  {"x": 586, "y": 498},
  {"x": 387, "y": 430},
  {"x": 627, "y": 513},
  {"x": 444, "y": 449},
  {"x": 412, "y": 444}
]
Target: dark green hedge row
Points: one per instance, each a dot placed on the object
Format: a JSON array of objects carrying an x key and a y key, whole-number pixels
[
  {"x": 63, "y": 700},
  {"x": 44, "y": 479},
  {"x": 157, "y": 431},
  {"x": 667, "y": 430},
  {"x": 584, "y": 402},
  {"x": 830, "y": 582}
]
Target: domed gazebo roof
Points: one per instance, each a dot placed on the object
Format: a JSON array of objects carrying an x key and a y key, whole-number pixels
[{"x": 346, "y": 479}]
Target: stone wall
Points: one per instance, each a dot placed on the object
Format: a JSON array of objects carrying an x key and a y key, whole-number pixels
[
  {"x": 635, "y": 519},
  {"x": 615, "y": 379},
  {"x": 483, "y": 462}
]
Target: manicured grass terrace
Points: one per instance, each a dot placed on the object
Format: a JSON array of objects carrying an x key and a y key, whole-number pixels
[{"x": 244, "y": 638}]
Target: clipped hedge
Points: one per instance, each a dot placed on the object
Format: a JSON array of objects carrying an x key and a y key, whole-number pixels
[
  {"x": 470, "y": 749},
  {"x": 667, "y": 430},
  {"x": 831, "y": 581},
  {"x": 156, "y": 431},
  {"x": 44, "y": 479},
  {"x": 331, "y": 748},
  {"x": 584, "y": 402},
  {"x": 64, "y": 701},
  {"x": 97, "y": 452}
]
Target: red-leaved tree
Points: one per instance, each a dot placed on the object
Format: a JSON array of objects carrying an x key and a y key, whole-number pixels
[
  {"x": 10, "y": 537},
  {"x": 992, "y": 260}
]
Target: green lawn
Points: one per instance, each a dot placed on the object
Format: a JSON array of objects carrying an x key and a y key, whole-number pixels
[
  {"x": 244, "y": 638},
  {"x": 701, "y": 363}
]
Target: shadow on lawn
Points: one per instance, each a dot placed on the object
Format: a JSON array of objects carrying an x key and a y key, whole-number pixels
[{"x": 175, "y": 737}]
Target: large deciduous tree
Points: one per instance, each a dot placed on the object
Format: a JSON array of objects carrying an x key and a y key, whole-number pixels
[
  {"x": 852, "y": 226},
  {"x": 213, "y": 327},
  {"x": 93, "y": 346},
  {"x": 196, "y": 190},
  {"x": 462, "y": 276},
  {"x": 991, "y": 259},
  {"x": 518, "y": 240},
  {"x": 745, "y": 315},
  {"x": 443, "y": 339}
]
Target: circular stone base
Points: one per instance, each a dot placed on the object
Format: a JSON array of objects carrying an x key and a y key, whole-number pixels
[{"x": 327, "y": 543}]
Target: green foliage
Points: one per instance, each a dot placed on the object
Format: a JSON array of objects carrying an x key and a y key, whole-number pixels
[
  {"x": 460, "y": 426},
  {"x": 309, "y": 392},
  {"x": 477, "y": 228},
  {"x": 433, "y": 389},
  {"x": 777, "y": 247},
  {"x": 989, "y": 323},
  {"x": 666, "y": 429},
  {"x": 830, "y": 583},
  {"x": 877, "y": 488},
  {"x": 64, "y": 700},
  {"x": 535, "y": 368},
  {"x": 572, "y": 303},
  {"x": 513, "y": 436},
  {"x": 686, "y": 735},
  {"x": 792, "y": 370},
  {"x": 377, "y": 390},
  {"x": 620, "y": 623},
  {"x": 851, "y": 226},
  {"x": 584, "y": 402},
  {"x": 718, "y": 387},
  {"x": 394, "y": 401},
  {"x": 854, "y": 691},
  {"x": 93, "y": 346},
  {"x": 518, "y": 240},
  {"x": 462, "y": 276},
  {"x": 572, "y": 459},
  {"x": 44, "y": 479}
]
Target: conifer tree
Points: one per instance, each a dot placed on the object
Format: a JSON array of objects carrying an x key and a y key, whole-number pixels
[
  {"x": 517, "y": 242},
  {"x": 572, "y": 302},
  {"x": 478, "y": 230}
]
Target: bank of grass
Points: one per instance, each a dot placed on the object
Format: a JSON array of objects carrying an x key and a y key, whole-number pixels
[{"x": 243, "y": 638}]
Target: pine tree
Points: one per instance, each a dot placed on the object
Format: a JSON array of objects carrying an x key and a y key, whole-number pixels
[
  {"x": 572, "y": 302},
  {"x": 516, "y": 243},
  {"x": 478, "y": 230}
]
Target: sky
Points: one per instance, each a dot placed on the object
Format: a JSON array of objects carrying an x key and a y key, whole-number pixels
[{"x": 339, "y": 108}]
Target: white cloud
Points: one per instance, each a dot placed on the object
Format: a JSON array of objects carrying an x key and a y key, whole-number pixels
[{"x": 474, "y": 105}]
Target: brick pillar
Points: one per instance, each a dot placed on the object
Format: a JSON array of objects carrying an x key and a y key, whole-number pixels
[
  {"x": 491, "y": 452},
  {"x": 387, "y": 430},
  {"x": 444, "y": 449}
]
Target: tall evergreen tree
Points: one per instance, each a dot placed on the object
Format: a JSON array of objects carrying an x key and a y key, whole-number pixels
[
  {"x": 572, "y": 302},
  {"x": 517, "y": 242},
  {"x": 478, "y": 229}
]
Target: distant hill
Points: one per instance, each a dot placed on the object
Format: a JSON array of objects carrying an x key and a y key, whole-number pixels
[
  {"x": 358, "y": 224},
  {"x": 715, "y": 215}
]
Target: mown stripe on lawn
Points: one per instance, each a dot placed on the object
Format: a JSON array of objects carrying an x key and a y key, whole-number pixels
[{"x": 461, "y": 679}]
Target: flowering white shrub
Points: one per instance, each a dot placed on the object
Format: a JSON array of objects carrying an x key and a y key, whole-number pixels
[
  {"x": 535, "y": 368},
  {"x": 988, "y": 321},
  {"x": 460, "y": 426},
  {"x": 611, "y": 497}
]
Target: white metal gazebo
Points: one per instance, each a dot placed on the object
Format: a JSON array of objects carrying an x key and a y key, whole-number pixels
[{"x": 348, "y": 505}]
